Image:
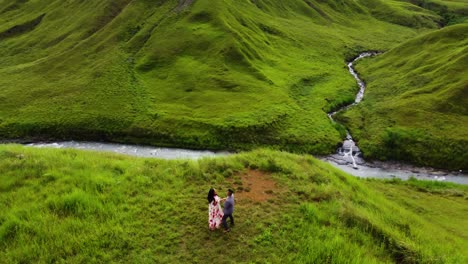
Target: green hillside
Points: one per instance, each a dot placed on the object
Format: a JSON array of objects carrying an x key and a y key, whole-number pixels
[
  {"x": 231, "y": 74},
  {"x": 415, "y": 107},
  {"x": 451, "y": 11},
  {"x": 71, "y": 206},
  {"x": 200, "y": 74}
]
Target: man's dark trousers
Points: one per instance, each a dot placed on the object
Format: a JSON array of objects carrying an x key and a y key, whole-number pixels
[{"x": 225, "y": 217}]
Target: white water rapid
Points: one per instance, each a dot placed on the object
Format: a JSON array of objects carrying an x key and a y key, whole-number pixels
[{"x": 349, "y": 158}]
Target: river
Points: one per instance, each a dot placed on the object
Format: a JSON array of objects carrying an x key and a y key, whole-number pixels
[
  {"x": 347, "y": 158},
  {"x": 132, "y": 150},
  {"x": 385, "y": 170}
]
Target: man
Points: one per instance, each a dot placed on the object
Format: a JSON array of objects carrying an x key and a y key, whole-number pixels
[{"x": 228, "y": 210}]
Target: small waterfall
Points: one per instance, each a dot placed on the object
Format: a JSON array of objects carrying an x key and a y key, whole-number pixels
[
  {"x": 348, "y": 152},
  {"x": 347, "y": 149}
]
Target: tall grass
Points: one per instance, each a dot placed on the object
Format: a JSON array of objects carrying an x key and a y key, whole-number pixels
[{"x": 75, "y": 206}]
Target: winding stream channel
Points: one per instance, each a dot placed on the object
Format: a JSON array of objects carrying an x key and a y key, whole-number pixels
[{"x": 348, "y": 157}]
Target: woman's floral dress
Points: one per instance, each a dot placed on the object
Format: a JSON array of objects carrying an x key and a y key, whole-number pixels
[{"x": 215, "y": 214}]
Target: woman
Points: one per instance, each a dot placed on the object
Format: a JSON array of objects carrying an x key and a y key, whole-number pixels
[{"x": 215, "y": 214}]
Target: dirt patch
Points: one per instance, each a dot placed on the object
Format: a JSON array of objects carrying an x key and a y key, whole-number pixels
[{"x": 256, "y": 186}]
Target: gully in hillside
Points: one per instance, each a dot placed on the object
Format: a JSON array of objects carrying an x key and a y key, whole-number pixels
[{"x": 348, "y": 150}]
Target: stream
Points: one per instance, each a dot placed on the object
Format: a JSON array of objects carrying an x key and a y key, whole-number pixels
[
  {"x": 347, "y": 158},
  {"x": 385, "y": 170},
  {"x": 349, "y": 152},
  {"x": 133, "y": 150}
]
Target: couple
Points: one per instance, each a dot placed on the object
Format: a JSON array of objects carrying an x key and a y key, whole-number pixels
[{"x": 215, "y": 215}]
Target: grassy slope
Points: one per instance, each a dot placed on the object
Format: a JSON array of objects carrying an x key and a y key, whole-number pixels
[
  {"x": 452, "y": 11},
  {"x": 415, "y": 107},
  {"x": 215, "y": 75},
  {"x": 74, "y": 206}
]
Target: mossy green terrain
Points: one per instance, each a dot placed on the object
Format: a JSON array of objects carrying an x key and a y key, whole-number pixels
[
  {"x": 452, "y": 12},
  {"x": 415, "y": 107},
  {"x": 200, "y": 74},
  {"x": 84, "y": 207},
  {"x": 231, "y": 74}
]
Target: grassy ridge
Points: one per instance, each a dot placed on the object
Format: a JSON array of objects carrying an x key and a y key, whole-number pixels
[
  {"x": 229, "y": 74},
  {"x": 74, "y": 206},
  {"x": 415, "y": 107},
  {"x": 452, "y": 12}
]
